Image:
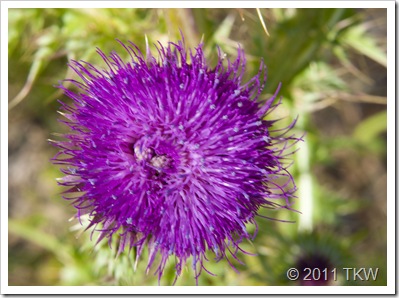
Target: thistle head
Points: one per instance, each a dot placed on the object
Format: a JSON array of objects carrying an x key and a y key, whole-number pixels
[{"x": 173, "y": 154}]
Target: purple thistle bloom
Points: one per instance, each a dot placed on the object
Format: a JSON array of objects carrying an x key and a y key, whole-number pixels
[{"x": 173, "y": 154}]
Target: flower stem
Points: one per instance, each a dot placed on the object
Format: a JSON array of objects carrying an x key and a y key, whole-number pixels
[{"x": 305, "y": 181}]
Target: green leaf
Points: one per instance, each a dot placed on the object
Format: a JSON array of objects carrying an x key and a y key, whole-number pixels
[
  {"x": 40, "y": 238},
  {"x": 369, "y": 129},
  {"x": 357, "y": 38},
  {"x": 319, "y": 77}
]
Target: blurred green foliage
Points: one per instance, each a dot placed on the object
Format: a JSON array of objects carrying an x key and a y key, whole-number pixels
[{"x": 332, "y": 66}]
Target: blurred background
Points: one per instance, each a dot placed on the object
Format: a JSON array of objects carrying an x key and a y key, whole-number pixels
[{"x": 332, "y": 65}]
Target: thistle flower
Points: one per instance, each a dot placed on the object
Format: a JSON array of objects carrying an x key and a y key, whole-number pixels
[
  {"x": 172, "y": 154},
  {"x": 318, "y": 251}
]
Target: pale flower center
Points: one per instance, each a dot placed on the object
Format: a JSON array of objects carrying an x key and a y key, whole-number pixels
[{"x": 148, "y": 155}]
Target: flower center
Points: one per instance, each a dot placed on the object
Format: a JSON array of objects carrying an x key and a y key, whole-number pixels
[
  {"x": 160, "y": 161},
  {"x": 152, "y": 155}
]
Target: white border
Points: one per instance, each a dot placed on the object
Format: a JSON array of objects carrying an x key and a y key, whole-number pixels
[
  {"x": 198, "y": 4},
  {"x": 164, "y": 290},
  {"x": 391, "y": 148},
  {"x": 389, "y": 289}
]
